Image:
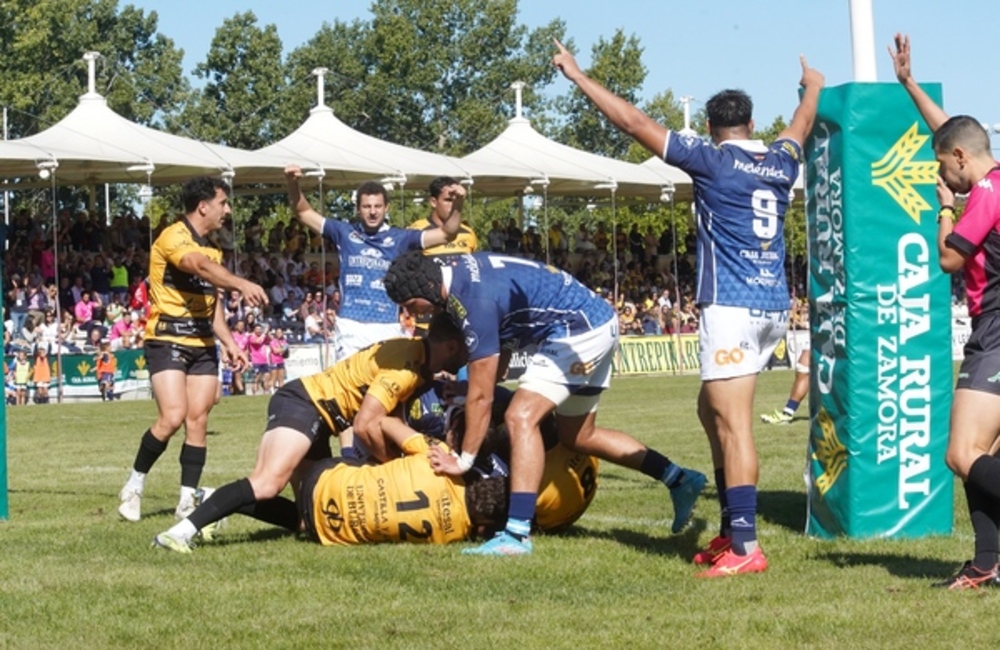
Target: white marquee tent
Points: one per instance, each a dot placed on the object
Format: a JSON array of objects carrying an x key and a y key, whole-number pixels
[{"x": 93, "y": 144}]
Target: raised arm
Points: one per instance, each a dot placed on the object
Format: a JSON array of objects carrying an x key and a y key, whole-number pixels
[
  {"x": 623, "y": 115},
  {"x": 454, "y": 194},
  {"x": 933, "y": 114},
  {"x": 300, "y": 206},
  {"x": 805, "y": 114}
]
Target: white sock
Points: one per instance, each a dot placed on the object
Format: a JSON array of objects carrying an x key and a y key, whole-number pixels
[
  {"x": 183, "y": 529},
  {"x": 136, "y": 481},
  {"x": 187, "y": 494}
]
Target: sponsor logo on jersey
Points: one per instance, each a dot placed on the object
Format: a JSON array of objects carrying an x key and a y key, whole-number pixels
[
  {"x": 767, "y": 171},
  {"x": 456, "y": 308},
  {"x": 388, "y": 241},
  {"x": 471, "y": 340},
  {"x": 791, "y": 150},
  {"x": 371, "y": 252},
  {"x": 473, "y": 266},
  {"x": 356, "y": 237}
]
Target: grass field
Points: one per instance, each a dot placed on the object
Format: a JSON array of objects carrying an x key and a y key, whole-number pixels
[{"x": 72, "y": 572}]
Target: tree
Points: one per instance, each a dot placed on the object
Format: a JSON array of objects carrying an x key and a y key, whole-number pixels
[
  {"x": 430, "y": 74},
  {"x": 42, "y": 43},
  {"x": 240, "y": 103},
  {"x": 617, "y": 65}
]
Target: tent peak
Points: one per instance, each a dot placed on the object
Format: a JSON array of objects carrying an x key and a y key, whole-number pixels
[
  {"x": 91, "y": 59},
  {"x": 320, "y": 74}
]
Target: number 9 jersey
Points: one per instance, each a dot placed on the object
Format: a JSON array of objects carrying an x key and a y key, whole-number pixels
[{"x": 742, "y": 189}]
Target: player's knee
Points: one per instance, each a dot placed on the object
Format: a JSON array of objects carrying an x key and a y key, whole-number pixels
[
  {"x": 266, "y": 485},
  {"x": 519, "y": 422},
  {"x": 958, "y": 461}
]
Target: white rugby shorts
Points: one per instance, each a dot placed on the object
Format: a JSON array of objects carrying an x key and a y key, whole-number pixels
[
  {"x": 572, "y": 372},
  {"x": 738, "y": 341}
]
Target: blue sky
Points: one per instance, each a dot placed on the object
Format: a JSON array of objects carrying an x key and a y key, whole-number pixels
[{"x": 696, "y": 48}]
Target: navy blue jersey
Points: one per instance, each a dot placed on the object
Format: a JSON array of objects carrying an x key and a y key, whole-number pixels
[
  {"x": 364, "y": 259},
  {"x": 742, "y": 191},
  {"x": 497, "y": 300}
]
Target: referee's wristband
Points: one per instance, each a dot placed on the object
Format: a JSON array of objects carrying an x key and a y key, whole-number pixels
[{"x": 465, "y": 461}]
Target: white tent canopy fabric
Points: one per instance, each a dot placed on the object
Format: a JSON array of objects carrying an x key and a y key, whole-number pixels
[
  {"x": 93, "y": 144},
  {"x": 568, "y": 171},
  {"x": 348, "y": 156}
]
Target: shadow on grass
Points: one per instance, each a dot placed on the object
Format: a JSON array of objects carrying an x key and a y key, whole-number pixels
[
  {"x": 783, "y": 508},
  {"x": 903, "y": 566},
  {"x": 683, "y": 545},
  {"x": 262, "y": 535}
]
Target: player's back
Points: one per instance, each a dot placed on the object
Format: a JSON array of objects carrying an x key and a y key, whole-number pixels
[
  {"x": 742, "y": 191},
  {"x": 525, "y": 301}
]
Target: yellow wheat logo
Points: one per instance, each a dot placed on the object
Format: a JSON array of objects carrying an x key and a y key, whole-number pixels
[
  {"x": 83, "y": 368},
  {"x": 830, "y": 453},
  {"x": 897, "y": 173},
  {"x": 140, "y": 363}
]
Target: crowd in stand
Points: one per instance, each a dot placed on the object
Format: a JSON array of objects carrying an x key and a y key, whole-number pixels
[{"x": 100, "y": 297}]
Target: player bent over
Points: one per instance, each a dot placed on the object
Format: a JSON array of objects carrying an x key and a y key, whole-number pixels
[
  {"x": 363, "y": 389},
  {"x": 500, "y": 301}
]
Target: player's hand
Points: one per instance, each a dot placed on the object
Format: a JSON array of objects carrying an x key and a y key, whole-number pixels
[
  {"x": 254, "y": 294},
  {"x": 236, "y": 357},
  {"x": 293, "y": 172},
  {"x": 443, "y": 463},
  {"x": 810, "y": 76},
  {"x": 455, "y": 194},
  {"x": 565, "y": 62},
  {"x": 901, "y": 58},
  {"x": 455, "y": 392},
  {"x": 944, "y": 194}
]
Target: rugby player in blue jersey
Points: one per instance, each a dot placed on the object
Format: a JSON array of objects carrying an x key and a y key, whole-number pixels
[
  {"x": 366, "y": 248},
  {"x": 503, "y": 302},
  {"x": 742, "y": 189}
]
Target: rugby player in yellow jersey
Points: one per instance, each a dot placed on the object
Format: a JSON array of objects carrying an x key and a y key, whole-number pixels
[
  {"x": 441, "y": 201},
  {"x": 185, "y": 320},
  {"x": 569, "y": 480},
  {"x": 362, "y": 390},
  {"x": 402, "y": 500}
]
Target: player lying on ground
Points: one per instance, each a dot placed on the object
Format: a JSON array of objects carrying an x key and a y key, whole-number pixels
[{"x": 361, "y": 390}]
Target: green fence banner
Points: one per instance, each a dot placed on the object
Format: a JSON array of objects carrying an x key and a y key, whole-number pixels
[{"x": 880, "y": 315}]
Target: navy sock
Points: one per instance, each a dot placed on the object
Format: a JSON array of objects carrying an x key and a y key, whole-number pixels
[
  {"x": 725, "y": 530},
  {"x": 522, "y": 511},
  {"x": 229, "y": 498},
  {"x": 150, "y": 450},
  {"x": 743, "y": 517},
  {"x": 656, "y": 465},
  {"x": 192, "y": 462},
  {"x": 791, "y": 407}
]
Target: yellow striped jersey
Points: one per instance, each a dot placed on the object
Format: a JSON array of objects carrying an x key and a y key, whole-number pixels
[
  {"x": 399, "y": 501},
  {"x": 390, "y": 371},
  {"x": 465, "y": 242},
  {"x": 182, "y": 305}
]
